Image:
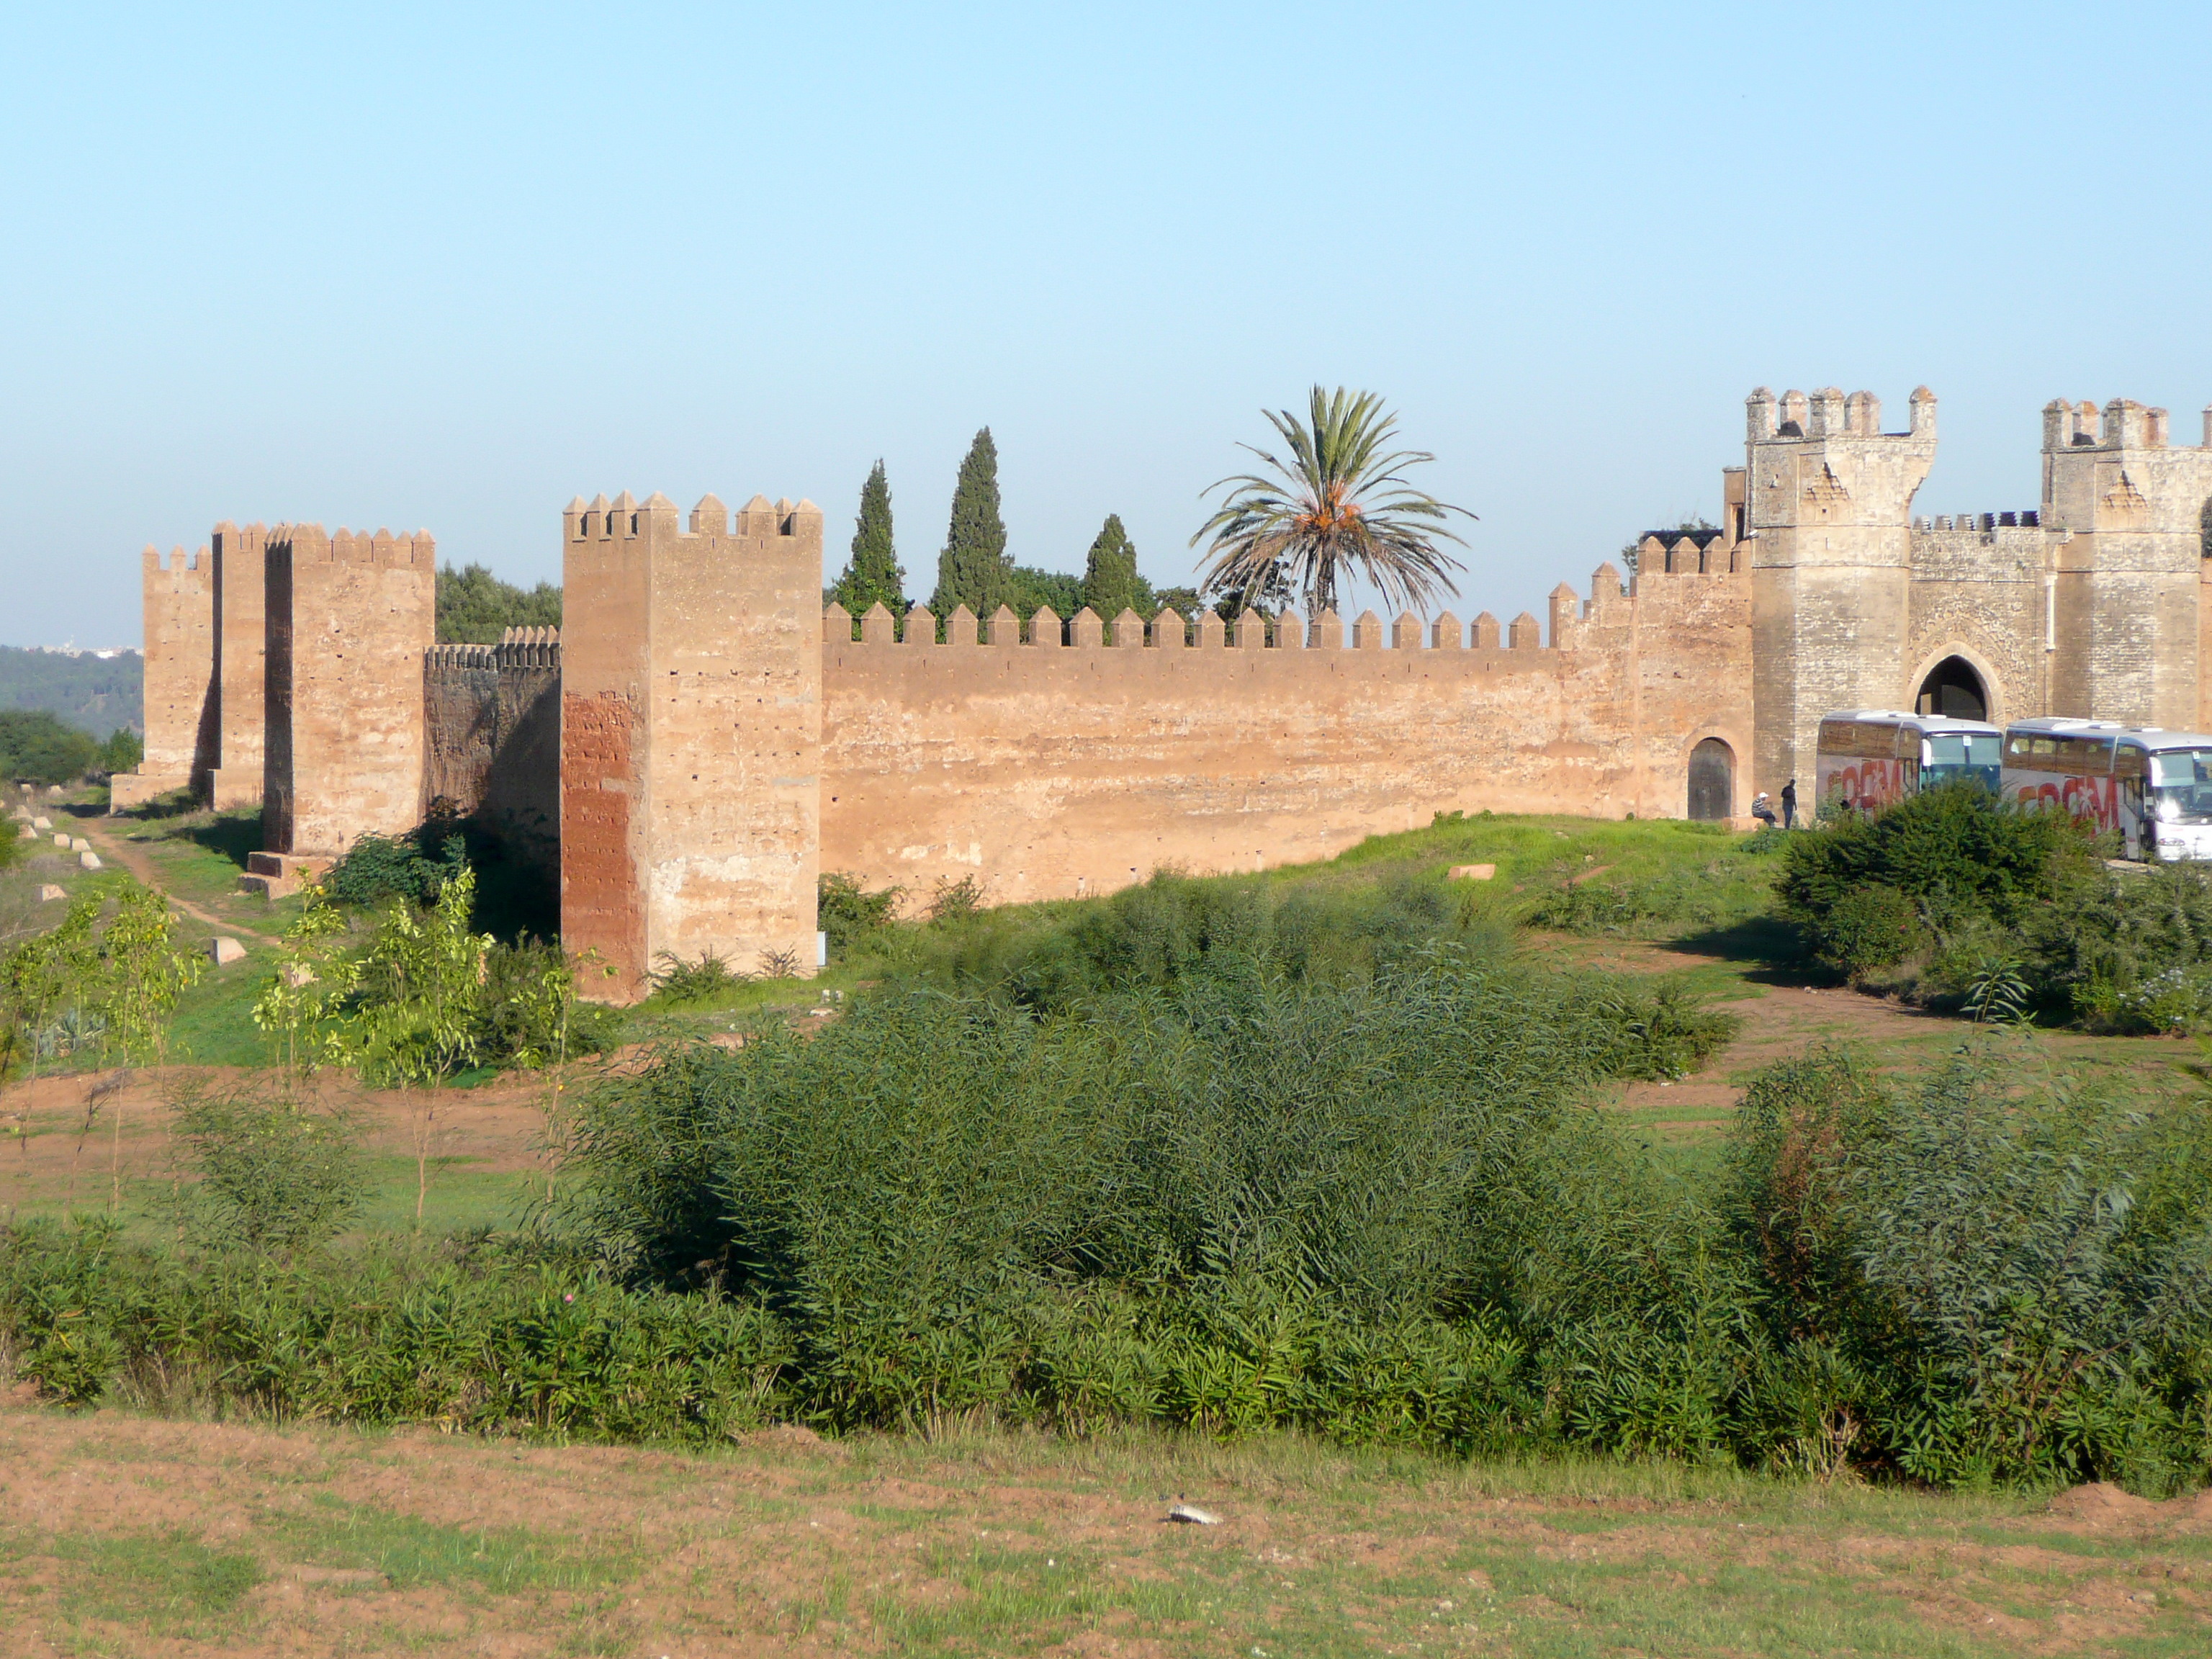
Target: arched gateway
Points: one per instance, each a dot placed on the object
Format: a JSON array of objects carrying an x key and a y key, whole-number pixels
[
  {"x": 1712, "y": 782},
  {"x": 1953, "y": 691}
]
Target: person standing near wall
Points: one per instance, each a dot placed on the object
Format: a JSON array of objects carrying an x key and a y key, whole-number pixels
[{"x": 1790, "y": 804}]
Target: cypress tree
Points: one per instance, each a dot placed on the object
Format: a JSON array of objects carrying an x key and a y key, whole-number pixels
[
  {"x": 1110, "y": 583},
  {"x": 974, "y": 569},
  {"x": 872, "y": 576}
]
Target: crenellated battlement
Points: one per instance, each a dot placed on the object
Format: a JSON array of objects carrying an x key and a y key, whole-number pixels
[
  {"x": 522, "y": 648},
  {"x": 1830, "y": 413},
  {"x": 1206, "y": 638},
  {"x": 1978, "y": 523},
  {"x": 186, "y": 571},
  {"x": 2122, "y": 424},
  {"x": 484, "y": 657},
  {"x": 625, "y": 518},
  {"x": 378, "y": 547}
]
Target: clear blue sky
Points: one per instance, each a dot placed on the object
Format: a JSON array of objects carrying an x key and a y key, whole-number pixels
[{"x": 447, "y": 266}]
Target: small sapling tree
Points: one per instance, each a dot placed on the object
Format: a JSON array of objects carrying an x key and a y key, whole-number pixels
[
  {"x": 143, "y": 975},
  {"x": 408, "y": 1006}
]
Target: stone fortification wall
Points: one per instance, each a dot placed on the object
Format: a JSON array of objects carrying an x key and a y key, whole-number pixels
[
  {"x": 241, "y": 580},
  {"x": 1979, "y": 591},
  {"x": 179, "y": 597},
  {"x": 492, "y": 735},
  {"x": 349, "y": 617},
  {"x": 1049, "y": 771},
  {"x": 690, "y": 735}
]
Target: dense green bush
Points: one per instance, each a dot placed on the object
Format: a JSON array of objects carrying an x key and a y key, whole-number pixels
[
  {"x": 515, "y": 899},
  {"x": 1380, "y": 1213},
  {"x": 1871, "y": 890},
  {"x": 849, "y": 913},
  {"x": 1972, "y": 1283},
  {"x": 955, "y": 1203},
  {"x": 487, "y": 1343}
]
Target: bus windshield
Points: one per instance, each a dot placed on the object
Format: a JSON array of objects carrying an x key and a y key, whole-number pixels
[
  {"x": 2181, "y": 786},
  {"x": 1962, "y": 754}
]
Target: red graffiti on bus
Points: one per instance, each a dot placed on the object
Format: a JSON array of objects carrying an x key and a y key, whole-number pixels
[
  {"x": 2098, "y": 799},
  {"x": 1867, "y": 784}
]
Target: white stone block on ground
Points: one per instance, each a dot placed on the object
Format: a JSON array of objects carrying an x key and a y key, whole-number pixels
[
  {"x": 88, "y": 858},
  {"x": 26, "y": 834},
  {"x": 42, "y": 822},
  {"x": 1473, "y": 872},
  {"x": 224, "y": 951},
  {"x": 47, "y": 890},
  {"x": 60, "y": 840}
]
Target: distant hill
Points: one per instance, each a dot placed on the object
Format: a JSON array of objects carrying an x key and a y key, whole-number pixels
[{"x": 94, "y": 693}]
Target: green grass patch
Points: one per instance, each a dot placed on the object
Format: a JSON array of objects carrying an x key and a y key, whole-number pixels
[
  {"x": 165, "y": 1582},
  {"x": 409, "y": 1552}
]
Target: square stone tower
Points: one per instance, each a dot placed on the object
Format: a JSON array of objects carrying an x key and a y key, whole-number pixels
[
  {"x": 241, "y": 649},
  {"x": 348, "y": 619},
  {"x": 179, "y": 600},
  {"x": 2126, "y": 517},
  {"x": 1828, "y": 498},
  {"x": 690, "y": 737}
]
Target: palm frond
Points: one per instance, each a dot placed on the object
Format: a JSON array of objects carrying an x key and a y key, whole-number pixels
[{"x": 1341, "y": 507}]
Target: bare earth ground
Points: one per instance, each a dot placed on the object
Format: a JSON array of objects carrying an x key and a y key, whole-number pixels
[{"x": 136, "y": 1535}]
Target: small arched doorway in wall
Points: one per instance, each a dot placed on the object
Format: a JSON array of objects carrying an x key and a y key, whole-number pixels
[
  {"x": 1953, "y": 691},
  {"x": 1712, "y": 782}
]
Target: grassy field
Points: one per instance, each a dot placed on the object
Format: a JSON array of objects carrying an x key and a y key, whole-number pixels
[{"x": 129, "y": 1534}]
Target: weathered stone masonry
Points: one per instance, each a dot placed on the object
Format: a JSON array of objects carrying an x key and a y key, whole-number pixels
[
  {"x": 704, "y": 738},
  {"x": 492, "y": 719},
  {"x": 691, "y": 735}
]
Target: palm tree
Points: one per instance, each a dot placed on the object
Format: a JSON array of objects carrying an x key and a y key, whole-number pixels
[{"x": 1341, "y": 509}]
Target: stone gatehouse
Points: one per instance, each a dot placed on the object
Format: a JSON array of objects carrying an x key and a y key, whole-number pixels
[{"x": 703, "y": 737}]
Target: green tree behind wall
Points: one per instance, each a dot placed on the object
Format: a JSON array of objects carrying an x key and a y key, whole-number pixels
[
  {"x": 872, "y": 575},
  {"x": 974, "y": 569},
  {"x": 474, "y": 607},
  {"x": 1110, "y": 583}
]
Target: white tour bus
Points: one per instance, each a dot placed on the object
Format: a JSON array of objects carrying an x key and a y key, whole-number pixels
[
  {"x": 2095, "y": 769},
  {"x": 1868, "y": 757},
  {"x": 2178, "y": 823}
]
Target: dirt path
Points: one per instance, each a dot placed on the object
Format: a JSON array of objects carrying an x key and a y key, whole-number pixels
[{"x": 113, "y": 847}]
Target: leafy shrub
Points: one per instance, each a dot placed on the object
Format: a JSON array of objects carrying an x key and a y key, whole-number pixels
[
  {"x": 681, "y": 981},
  {"x": 123, "y": 752},
  {"x": 493, "y": 1344},
  {"x": 1153, "y": 934},
  {"x": 955, "y": 901},
  {"x": 848, "y": 913},
  {"x": 2122, "y": 950},
  {"x": 1869, "y": 927},
  {"x": 954, "y": 1203},
  {"x": 274, "y": 1174},
  {"x": 1709, "y": 895},
  {"x": 377, "y": 869},
  {"x": 1991, "y": 1286},
  {"x": 1953, "y": 849}
]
